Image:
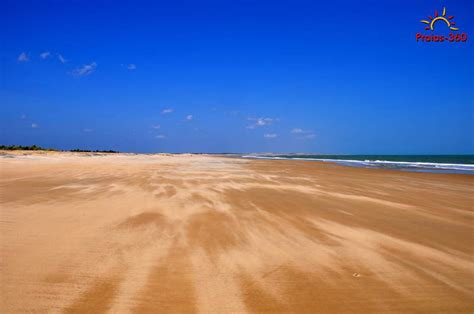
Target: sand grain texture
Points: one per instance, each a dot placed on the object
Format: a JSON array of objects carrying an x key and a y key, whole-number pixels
[{"x": 180, "y": 234}]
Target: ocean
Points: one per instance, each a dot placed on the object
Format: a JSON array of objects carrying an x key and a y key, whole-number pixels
[{"x": 463, "y": 164}]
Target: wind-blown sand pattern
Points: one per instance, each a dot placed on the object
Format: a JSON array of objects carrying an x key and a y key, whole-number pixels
[{"x": 152, "y": 233}]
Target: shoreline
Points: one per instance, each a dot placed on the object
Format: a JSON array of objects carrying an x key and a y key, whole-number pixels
[
  {"x": 404, "y": 166},
  {"x": 410, "y": 166}
]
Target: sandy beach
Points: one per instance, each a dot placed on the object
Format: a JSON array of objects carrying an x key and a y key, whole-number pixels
[{"x": 124, "y": 233}]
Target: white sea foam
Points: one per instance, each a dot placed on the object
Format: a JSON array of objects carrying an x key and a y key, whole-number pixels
[{"x": 467, "y": 168}]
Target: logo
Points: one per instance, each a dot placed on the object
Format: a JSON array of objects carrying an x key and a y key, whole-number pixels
[{"x": 442, "y": 24}]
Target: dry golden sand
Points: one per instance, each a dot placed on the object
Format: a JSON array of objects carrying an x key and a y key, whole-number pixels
[{"x": 143, "y": 233}]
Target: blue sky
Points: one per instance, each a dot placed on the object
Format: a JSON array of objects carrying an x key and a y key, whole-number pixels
[{"x": 236, "y": 76}]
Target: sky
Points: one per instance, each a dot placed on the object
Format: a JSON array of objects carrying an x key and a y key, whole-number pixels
[{"x": 337, "y": 77}]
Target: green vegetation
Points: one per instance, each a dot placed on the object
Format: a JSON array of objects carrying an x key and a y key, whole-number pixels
[
  {"x": 92, "y": 151},
  {"x": 34, "y": 147},
  {"x": 19, "y": 147}
]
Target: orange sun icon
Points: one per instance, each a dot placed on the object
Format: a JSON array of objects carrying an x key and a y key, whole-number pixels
[{"x": 437, "y": 18}]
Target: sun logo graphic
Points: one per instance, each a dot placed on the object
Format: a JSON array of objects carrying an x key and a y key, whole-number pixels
[{"x": 437, "y": 20}]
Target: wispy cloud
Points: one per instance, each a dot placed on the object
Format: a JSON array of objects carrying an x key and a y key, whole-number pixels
[
  {"x": 270, "y": 135},
  {"x": 87, "y": 130},
  {"x": 303, "y": 133},
  {"x": 85, "y": 70},
  {"x": 189, "y": 117},
  {"x": 297, "y": 131},
  {"x": 23, "y": 116},
  {"x": 166, "y": 111},
  {"x": 160, "y": 136},
  {"x": 34, "y": 125},
  {"x": 258, "y": 122},
  {"x": 23, "y": 57},
  {"x": 61, "y": 58},
  {"x": 131, "y": 66},
  {"x": 45, "y": 55},
  {"x": 156, "y": 126}
]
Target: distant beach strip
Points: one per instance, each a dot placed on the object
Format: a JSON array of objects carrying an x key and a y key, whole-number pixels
[{"x": 462, "y": 164}]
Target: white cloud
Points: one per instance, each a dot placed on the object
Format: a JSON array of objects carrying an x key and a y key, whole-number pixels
[
  {"x": 258, "y": 122},
  {"x": 305, "y": 133},
  {"x": 23, "y": 57},
  {"x": 61, "y": 58},
  {"x": 166, "y": 111},
  {"x": 45, "y": 55},
  {"x": 160, "y": 136},
  {"x": 34, "y": 125},
  {"x": 85, "y": 70},
  {"x": 131, "y": 66},
  {"x": 87, "y": 130},
  {"x": 156, "y": 126},
  {"x": 263, "y": 121},
  {"x": 23, "y": 116},
  {"x": 297, "y": 131},
  {"x": 189, "y": 117},
  {"x": 270, "y": 135}
]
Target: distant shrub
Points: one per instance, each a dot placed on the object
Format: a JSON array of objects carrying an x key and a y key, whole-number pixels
[
  {"x": 77, "y": 150},
  {"x": 20, "y": 147},
  {"x": 34, "y": 147}
]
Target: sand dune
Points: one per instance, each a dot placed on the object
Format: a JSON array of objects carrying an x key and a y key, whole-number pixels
[{"x": 153, "y": 233}]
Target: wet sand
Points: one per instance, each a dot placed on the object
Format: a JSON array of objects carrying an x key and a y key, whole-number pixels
[{"x": 161, "y": 233}]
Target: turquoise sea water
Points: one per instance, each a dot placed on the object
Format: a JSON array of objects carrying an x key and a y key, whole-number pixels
[{"x": 419, "y": 163}]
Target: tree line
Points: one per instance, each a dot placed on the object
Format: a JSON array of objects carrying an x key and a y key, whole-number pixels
[{"x": 34, "y": 147}]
